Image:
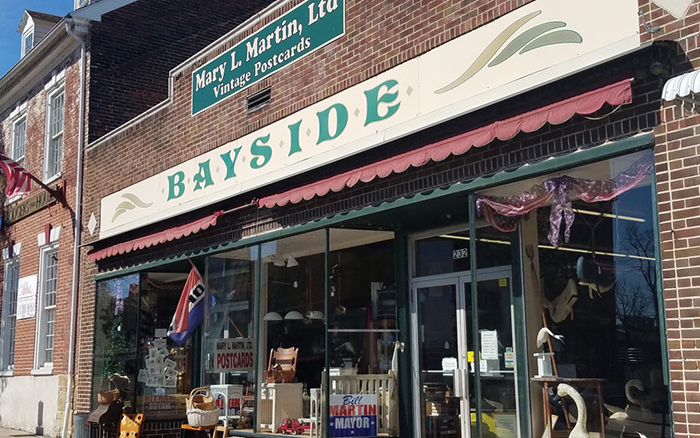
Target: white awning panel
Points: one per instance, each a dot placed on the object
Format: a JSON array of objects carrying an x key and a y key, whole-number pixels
[{"x": 684, "y": 87}]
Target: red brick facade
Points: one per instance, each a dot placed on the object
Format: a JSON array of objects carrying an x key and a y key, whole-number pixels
[
  {"x": 379, "y": 36},
  {"x": 678, "y": 186}
]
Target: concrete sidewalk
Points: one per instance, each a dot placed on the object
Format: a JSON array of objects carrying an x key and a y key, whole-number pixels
[{"x": 9, "y": 433}]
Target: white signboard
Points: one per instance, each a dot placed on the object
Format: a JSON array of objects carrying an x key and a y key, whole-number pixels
[
  {"x": 233, "y": 355},
  {"x": 26, "y": 297},
  {"x": 489, "y": 345},
  {"x": 536, "y": 44}
]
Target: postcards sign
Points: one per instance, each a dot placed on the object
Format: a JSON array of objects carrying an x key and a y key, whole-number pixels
[
  {"x": 299, "y": 32},
  {"x": 233, "y": 355},
  {"x": 353, "y": 415}
]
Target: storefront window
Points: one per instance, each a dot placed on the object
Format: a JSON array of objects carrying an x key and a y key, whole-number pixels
[
  {"x": 165, "y": 367},
  {"x": 292, "y": 333},
  {"x": 116, "y": 314},
  {"x": 363, "y": 332},
  {"x": 593, "y": 316},
  {"x": 133, "y": 350},
  {"x": 229, "y": 353}
]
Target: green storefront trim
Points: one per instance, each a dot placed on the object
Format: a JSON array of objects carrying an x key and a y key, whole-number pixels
[{"x": 544, "y": 167}]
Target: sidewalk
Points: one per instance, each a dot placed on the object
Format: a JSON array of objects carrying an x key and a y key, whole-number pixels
[{"x": 10, "y": 433}]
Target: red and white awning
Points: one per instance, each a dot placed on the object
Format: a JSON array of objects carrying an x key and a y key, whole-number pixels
[{"x": 615, "y": 94}]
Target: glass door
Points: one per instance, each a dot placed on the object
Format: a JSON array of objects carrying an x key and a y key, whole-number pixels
[
  {"x": 442, "y": 338},
  {"x": 496, "y": 366}
]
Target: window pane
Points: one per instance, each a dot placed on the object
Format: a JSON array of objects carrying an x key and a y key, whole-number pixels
[
  {"x": 363, "y": 327},
  {"x": 165, "y": 371},
  {"x": 55, "y": 149},
  {"x": 50, "y": 278},
  {"x": 116, "y": 313},
  {"x": 292, "y": 330},
  {"x": 50, "y": 317},
  {"x": 229, "y": 326},
  {"x": 28, "y": 43},
  {"x": 10, "y": 298},
  {"x": 19, "y": 141}
]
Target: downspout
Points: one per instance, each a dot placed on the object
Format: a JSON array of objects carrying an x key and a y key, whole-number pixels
[{"x": 77, "y": 221}]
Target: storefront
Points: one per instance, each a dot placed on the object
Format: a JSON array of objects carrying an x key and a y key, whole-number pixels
[{"x": 495, "y": 273}]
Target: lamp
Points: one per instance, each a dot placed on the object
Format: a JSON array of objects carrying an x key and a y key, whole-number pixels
[
  {"x": 272, "y": 316},
  {"x": 294, "y": 316},
  {"x": 314, "y": 314},
  {"x": 292, "y": 262},
  {"x": 278, "y": 261}
]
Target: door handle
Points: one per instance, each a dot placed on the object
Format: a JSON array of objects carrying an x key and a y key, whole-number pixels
[{"x": 457, "y": 382}]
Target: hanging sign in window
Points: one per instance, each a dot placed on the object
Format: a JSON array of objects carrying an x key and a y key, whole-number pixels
[
  {"x": 233, "y": 355},
  {"x": 353, "y": 415},
  {"x": 26, "y": 297},
  {"x": 299, "y": 32}
]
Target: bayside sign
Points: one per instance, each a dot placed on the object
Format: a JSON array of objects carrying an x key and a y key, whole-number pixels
[
  {"x": 299, "y": 32},
  {"x": 557, "y": 37}
]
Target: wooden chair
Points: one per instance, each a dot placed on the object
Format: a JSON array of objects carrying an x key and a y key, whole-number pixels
[
  {"x": 282, "y": 365},
  {"x": 130, "y": 426}
]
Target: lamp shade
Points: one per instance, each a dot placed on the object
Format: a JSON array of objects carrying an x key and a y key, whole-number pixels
[
  {"x": 292, "y": 262},
  {"x": 272, "y": 316},
  {"x": 314, "y": 314},
  {"x": 294, "y": 315}
]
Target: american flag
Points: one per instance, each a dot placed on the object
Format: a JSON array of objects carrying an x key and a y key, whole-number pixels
[{"x": 18, "y": 181}]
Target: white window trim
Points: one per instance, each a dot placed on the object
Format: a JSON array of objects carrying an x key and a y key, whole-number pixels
[
  {"x": 16, "y": 116},
  {"x": 40, "y": 337},
  {"x": 27, "y": 32},
  {"x": 22, "y": 118},
  {"x": 5, "y": 369},
  {"x": 53, "y": 88}
]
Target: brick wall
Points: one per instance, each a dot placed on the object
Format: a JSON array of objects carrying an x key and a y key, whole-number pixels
[
  {"x": 134, "y": 48},
  {"x": 27, "y": 229},
  {"x": 678, "y": 186}
]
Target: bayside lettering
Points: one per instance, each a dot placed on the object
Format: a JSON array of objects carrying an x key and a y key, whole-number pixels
[{"x": 381, "y": 103}]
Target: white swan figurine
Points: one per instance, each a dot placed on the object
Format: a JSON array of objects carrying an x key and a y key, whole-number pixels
[
  {"x": 545, "y": 334},
  {"x": 579, "y": 431}
]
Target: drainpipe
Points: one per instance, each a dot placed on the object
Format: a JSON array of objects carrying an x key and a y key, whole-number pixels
[{"x": 77, "y": 219}]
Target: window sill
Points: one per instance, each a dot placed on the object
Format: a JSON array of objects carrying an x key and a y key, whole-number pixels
[
  {"x": 47, "y": 371},
  {"x": 53, "y": 178},
  {"x": 7, "y": 373}
]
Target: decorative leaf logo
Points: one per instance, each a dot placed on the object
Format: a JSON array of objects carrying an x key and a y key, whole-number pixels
[
  {"x": 531, "y": 39},
  {"x": 132, "y": 201}
]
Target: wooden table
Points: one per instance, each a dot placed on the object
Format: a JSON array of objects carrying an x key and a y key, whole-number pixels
[
  {"x": 576, "y": 382},
  {"x": 186, "y": 429}
]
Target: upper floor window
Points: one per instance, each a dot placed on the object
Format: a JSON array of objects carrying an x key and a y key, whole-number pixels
[
  {"x": 27, "y": 42},
  {"x": 53, "y": 158},
  {"x": 19, "y": 139}
]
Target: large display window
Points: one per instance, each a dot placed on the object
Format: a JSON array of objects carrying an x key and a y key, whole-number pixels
[
  {"x": 133, "y": 352},
  {"x": 594, "y": 314}
]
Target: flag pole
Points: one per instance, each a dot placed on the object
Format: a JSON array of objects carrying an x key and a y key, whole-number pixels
[
  {"x": 57, "y": 195},
  {"x": 206, "y": 286}
]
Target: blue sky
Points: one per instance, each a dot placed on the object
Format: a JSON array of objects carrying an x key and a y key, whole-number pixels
[{"x": 11, "y": 14}]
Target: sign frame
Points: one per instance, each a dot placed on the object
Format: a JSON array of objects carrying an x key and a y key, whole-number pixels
[{"x": 241, "y": 44}]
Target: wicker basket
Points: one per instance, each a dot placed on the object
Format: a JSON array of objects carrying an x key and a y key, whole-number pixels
[
  {"x": 107, "y": 397},
  {"x": 196, "y": 416}
]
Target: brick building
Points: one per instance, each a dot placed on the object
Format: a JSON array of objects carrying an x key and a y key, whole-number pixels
[
  {"x": 405, "y": 194},
  {"x": 40, "y": 114}
]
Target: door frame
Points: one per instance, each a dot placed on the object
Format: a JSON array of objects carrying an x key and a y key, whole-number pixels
[{"x": 460, "y": 278}]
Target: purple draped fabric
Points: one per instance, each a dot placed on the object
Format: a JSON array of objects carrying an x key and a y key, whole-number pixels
[{"x": 504, "y": 212}]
